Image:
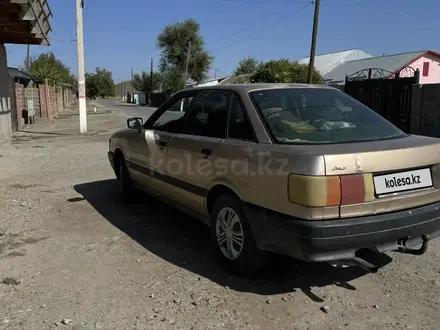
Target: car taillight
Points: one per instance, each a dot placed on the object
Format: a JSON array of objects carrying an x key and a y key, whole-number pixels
[
  {"x": 321, "y": 191},
  {"x": 356, "y": 188}
]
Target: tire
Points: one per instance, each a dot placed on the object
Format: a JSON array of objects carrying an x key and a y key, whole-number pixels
[
  {"x": 244, "y": 260},
  {"x": 126, "y": 184}
]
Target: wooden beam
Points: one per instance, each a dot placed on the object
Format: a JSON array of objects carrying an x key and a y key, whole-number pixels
[
  {"x": 21, "y": 2},
  {"x": 20, "y": 38},
  {"x": 34, "y": 17}
]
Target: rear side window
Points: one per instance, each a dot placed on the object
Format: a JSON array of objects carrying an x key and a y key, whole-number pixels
[
  {"x": 238, "y": 124},
  {"x": 207, "y": 116},
  {"x": 320, "y": 116}
]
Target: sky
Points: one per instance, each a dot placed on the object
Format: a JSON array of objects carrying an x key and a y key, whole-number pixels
[{"x": 121, "y": 35}]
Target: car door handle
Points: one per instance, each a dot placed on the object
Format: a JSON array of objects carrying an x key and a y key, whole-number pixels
[
  {"x": 162, "y": 144},
  {"x": 206, "y": 153}
]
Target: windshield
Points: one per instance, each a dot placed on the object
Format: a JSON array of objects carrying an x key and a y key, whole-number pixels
[{"x": 319, "y": 116}]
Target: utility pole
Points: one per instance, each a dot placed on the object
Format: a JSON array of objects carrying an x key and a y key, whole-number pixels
[
  {"x": 313, "y": 46},
  {"x": 187, "y": 62},
  {"x": 28, "y": 57},
  {"x": 81, "y": 70},
  {"x": 151, "y": 81}
]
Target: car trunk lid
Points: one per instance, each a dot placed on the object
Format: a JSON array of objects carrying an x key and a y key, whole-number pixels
[{"x": 402, "y": 172}]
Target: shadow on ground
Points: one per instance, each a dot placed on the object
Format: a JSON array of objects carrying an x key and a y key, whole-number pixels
[{"x": 183, "y": 241}]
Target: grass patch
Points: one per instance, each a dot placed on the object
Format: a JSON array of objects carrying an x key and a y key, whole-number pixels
[
  {"x": 15, "y": 254},
  {"x": 11, "y": 281},
  {"x": 12, "y": 242},
  {"x": 23, "y": 186},
  {"x": 33, "y": 240}
]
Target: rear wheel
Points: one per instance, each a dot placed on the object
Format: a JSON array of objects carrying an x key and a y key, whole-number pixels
[
  {"x": 232, "y": 238},
  {"x": 125, "y": 182}
]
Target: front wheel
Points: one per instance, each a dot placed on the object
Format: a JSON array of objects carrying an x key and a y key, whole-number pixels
[
  {"x": 125, "y": 182},
  {"x": 232, "y": 238}
]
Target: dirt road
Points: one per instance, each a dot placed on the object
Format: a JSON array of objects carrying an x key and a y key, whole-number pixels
[{"x": 73, "y": 257}]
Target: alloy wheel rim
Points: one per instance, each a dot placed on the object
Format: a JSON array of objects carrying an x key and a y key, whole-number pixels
[{"x": 229, "y": 233}]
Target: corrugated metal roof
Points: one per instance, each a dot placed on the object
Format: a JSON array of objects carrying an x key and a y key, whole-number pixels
[
  {"x": 240, "y": 79},
  {"x": 325, "y": 63},
  {"x": 388, "y": 62},
  {"x": 15, "y": 72}
]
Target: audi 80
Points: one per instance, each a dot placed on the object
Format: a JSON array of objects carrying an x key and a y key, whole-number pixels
[{"x": 300, "y": 170}]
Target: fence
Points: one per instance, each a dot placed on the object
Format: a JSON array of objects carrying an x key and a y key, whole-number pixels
[
  {"x": 425, "y": 110},
  {"x": 35, "y": 101}
]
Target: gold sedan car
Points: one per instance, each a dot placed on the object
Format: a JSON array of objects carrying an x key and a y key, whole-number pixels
[{"x": 300, "y": 170}]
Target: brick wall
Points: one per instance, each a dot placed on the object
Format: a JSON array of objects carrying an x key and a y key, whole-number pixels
[
  {"x": 53, "y": 108},
  {"x": 43, "y": 103},
  {"x": 33, "y": 94},
  {"x": 19, "y": 102},
  {"x": 425, "y": 110},
  {"x": 59, "y": 96}
]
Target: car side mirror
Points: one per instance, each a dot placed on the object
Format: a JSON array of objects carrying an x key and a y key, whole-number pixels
[{"x": 135, "y": 123}]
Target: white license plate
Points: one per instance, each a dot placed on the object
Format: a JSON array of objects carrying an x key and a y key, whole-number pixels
[{"x": 402, "y": 181}]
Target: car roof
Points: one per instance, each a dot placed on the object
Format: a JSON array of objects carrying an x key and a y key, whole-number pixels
[{"x": 252, "y": 87}]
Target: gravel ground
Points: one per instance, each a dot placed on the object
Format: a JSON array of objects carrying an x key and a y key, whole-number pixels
[{"x": 73, "y": 257}]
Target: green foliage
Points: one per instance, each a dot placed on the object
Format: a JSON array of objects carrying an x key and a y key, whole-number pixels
[
  {"x": 142, "y": 82},
  {"x": 100, "y": 84},
  {"x": 47, "y": 66},
  {"x": 285, "y": 71},
  {"x": 173, "y": 80},
  {"x": 173, "y": 43},
  {"x": 247, "y": 65}
]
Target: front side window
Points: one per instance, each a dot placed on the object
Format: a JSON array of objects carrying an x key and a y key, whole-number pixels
[
  {"x": 171, "y": 119},
  {"x": 319, "y": 116},
  {"x": 208, "y": 114},
  {"x": 238, "y": 124}
]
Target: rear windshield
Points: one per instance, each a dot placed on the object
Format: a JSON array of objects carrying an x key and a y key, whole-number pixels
[{"x": 319, "y": 116}]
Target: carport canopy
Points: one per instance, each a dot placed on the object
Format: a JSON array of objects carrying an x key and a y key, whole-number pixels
[{"x": 25, "y": 22}]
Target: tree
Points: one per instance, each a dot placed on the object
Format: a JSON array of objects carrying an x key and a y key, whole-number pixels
[
  {"x": 247, "y": 65},
  {"x": 285, "y": 71},
  {"x": 173, "y": 81},
  {"x": 142, "y": 82},
  {"x": 174, "y": 42},
  {"x": 47, "y": 66},
  {"x": 100, "y": 84}
]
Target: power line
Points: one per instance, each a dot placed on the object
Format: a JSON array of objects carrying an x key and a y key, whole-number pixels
[
  {"x": 264, "y": 2},
  {"x": 268, "y": 27},
  {"x": 380, "y": 10},
  {"x": 13, "y": 49},
  {"x": 286, "y": 3},
  {"x": 220, "y": 71}
]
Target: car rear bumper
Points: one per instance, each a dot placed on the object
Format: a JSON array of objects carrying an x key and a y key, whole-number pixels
[{"x": 334, "y": 240}]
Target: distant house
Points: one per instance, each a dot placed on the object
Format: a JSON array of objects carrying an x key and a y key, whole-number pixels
[
  {"x": 19, "y": 76},
  {"x": 240, "y": 79},
  {"x": 428, "y": 63},
  {"x": 325, "y": 63},
  {"x": 209, "y": 82}
]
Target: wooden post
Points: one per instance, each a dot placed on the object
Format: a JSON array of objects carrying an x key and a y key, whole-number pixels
[{"x": 48, "y": 105}]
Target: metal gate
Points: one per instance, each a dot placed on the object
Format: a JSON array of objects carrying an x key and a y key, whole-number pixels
[{"x": 387, "y": 93}]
